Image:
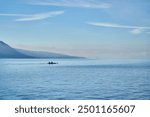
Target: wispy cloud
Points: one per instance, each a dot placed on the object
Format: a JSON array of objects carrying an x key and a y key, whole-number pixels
[
  {"x": 134, "y": 29},
  {"x": 15, "y": 15},
  {"x": 137, "y": 31},
  {"x": 72, "y": 3},
  {"x": 32, "y": 17}
]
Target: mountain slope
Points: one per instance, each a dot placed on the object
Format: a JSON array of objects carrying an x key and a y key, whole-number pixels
[
  {"x": 41, "y": 54},
  {"x": 8, "y": 52}
]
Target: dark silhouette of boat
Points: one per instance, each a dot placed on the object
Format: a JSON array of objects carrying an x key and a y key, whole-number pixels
[{"x": 51, "y": 63}]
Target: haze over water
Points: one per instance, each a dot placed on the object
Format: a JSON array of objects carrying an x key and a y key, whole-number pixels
[{"x": 74, "y": 79}]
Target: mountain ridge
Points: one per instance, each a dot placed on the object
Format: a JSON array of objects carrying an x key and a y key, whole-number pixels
[
  {"x": 7, "y": 51},
  {"x": 44, "y": 54}
]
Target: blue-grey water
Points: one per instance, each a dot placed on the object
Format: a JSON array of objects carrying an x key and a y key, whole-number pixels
[{"x": 32, "y": 79}]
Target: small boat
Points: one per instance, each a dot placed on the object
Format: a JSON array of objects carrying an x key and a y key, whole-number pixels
[{"x": 51, "y": 62}]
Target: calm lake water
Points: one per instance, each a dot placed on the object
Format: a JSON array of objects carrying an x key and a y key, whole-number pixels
[{"x": 28, "y": 79}]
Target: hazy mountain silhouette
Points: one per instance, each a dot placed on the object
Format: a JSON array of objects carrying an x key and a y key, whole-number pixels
[
  {"x": 7, "y": 51},
  {"x": 41, "y": 54}
]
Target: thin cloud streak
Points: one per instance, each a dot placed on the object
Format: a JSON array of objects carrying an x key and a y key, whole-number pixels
[
  {"x": 116, "y": 25},
  {"x": 15, "y": 15},
  {"x": 33, "y": 17},
  {"x": 72, "y": 3},
  {"x": 135, "y": 29}
]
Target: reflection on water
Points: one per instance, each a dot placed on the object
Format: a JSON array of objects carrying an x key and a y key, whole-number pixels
[{"x": 74, "y": 79}]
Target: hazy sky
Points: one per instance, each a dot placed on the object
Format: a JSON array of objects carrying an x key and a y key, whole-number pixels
[{"x": 90, "y": 28}]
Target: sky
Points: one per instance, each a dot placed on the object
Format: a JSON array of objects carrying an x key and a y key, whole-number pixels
[{"x": 88, "y": 28}]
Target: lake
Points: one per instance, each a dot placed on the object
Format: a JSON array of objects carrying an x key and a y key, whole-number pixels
[{"x": 74, "y": 79}]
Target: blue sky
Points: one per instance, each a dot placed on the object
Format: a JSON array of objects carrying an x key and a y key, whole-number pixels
[{"x": 90, "y": 28}]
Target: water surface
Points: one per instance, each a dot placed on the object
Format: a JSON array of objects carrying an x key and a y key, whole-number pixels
[{"x": 75, "y": 79}]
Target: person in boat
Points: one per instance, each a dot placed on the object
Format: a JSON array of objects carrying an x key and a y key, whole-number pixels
[{"x": 52, "y": 62}]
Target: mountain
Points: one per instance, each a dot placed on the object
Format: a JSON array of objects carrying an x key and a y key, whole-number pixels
[
  {"x": 41, "y": 54},
  {"x": 7, "y": 51}
]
